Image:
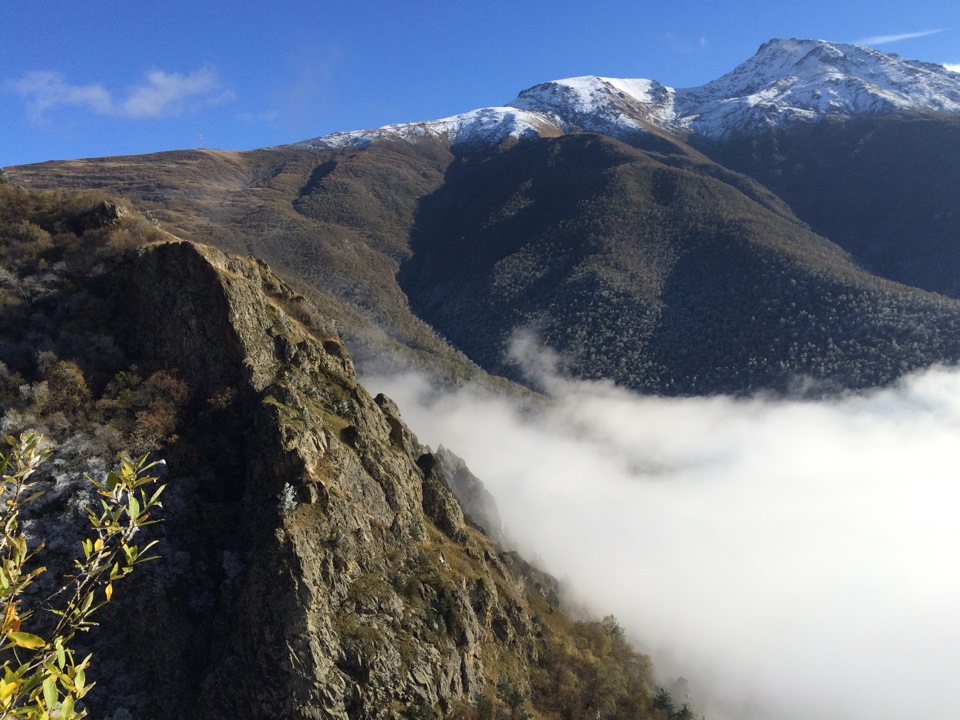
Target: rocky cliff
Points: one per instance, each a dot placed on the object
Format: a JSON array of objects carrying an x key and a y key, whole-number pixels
[
  {"x": 362, "y": 591},
  {"x": 349, "y": 603}
]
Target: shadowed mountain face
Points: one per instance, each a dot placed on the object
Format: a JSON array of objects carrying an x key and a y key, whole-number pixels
[
  {"x": 666, "y": 272},
  {"x": 885, "y": 189},
  {"x": 659, "y": 276}
]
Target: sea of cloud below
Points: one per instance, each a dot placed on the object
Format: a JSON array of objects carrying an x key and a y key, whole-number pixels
[{"x": 789, "y": 558}]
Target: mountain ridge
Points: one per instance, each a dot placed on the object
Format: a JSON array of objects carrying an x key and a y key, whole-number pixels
[{"x": 787, "y": 81}]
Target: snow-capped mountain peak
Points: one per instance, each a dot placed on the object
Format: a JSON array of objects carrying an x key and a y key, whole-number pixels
[
  {"x": 606, "y": 105},
  {"x": 795, "y": 80},
  {"x": 787, "y": 81}
]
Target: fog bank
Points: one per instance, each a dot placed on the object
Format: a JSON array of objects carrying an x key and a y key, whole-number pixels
[{"x": 791, "y": 559}]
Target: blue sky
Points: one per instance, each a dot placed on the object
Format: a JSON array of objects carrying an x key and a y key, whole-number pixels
[{"x": 110, "y": 77}]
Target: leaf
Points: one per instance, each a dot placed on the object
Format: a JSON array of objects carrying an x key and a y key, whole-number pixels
[
  {"x": 66, "y": 708},
  {"x": 26, "y": 640},
  {"x": 24, "y": 580},
  {"x": 20, "y": 548},
  {"x": 8, "y": 688},
  {"x": 50, "y": 694},
  {"x": 61, "y": 655},
  {"x": 160, "y": 489},
  {"x": 98, "y": 545},
  {"x": 109, "y": 591}
]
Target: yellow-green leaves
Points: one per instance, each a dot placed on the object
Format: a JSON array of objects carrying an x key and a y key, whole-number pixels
[
  {"x": 39, "y": 678},
  {"x": 50, "y": 694},
  {"x": 79, "y": 680},
  {"x": 66, "y": 708},
  {"x": 26, "y": 640},
  {"x": 7, "y": 689}
]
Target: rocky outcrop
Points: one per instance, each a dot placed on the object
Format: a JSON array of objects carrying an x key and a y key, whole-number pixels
[
  {"x": 356, "y": 588},
  {"x": 477, "y": 503},
  {"x": 105, "y": 212}
]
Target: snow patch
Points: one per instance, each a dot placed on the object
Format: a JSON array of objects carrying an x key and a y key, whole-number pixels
[{"x": 486, "y": 126}]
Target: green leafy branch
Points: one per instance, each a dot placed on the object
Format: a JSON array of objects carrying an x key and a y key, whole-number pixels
[{"x": 40, "y": 678}]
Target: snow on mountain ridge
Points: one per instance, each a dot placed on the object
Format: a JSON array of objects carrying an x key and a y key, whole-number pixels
[
  {"x": 787, "y": 81},
  {"x": 794, "y": 80},
  {"x": 489, "y": 126},
  {"x": 597, "y": 104}
]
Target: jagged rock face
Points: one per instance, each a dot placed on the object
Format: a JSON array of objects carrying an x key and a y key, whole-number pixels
[
  {"x": 104, "y": 213},
  {"x": 359, "y": 590},
  {"x": 209, "y": 315},
  {"x": 477, "y": 503}
]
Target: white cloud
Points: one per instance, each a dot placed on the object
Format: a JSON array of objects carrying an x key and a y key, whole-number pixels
[
  {"x": 161, "y": 94},
  {"x": 886, "y": 39},
  {"x": 46, "y": 89},
  {"x": 166, "y": 93},
  {"x": 952, "y": 67},
  {"x": 791, "y": 559}
]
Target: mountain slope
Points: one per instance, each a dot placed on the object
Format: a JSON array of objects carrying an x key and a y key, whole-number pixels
[
  {"x": 666, "y": 273},
  {"x": 661, "y": 278},
  {"x": 335, "y": 223},
  {"x": 886, "y": 189},
  {"x": 791, "y": 81}
]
